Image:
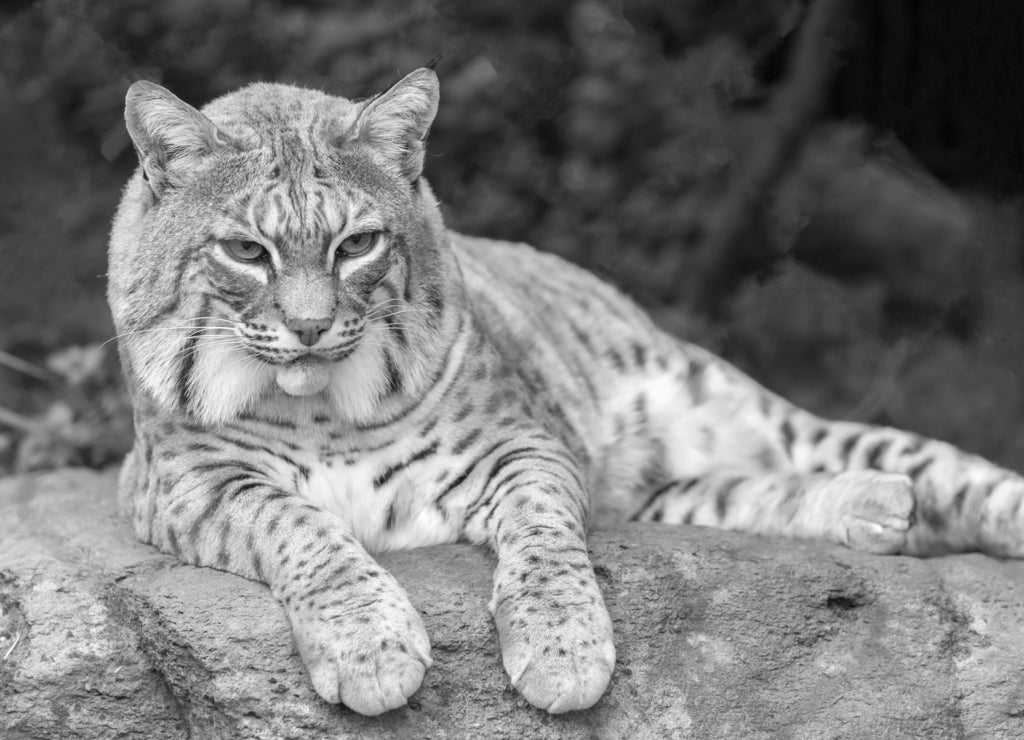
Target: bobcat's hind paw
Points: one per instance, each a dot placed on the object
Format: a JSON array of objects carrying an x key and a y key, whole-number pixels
[{"x": 869, "y": 510}]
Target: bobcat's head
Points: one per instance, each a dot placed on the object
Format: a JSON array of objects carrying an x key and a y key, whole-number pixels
[{"x": 280, "y": 242}]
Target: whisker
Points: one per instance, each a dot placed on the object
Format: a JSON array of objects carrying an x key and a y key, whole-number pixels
[
  {"x": 403, "y": 327},
  {"x": 379, "y": 311},
  {"x": 408, "y": 313},
  {"x": 391, "y": 320},
  {"x": 397, "y": 307},
  {"x": 190, "y": 325},
  {"x": 226, "y": 342},
  {"x": 391, "y": 316}
]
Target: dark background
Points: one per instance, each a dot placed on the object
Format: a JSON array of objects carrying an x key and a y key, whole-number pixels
[{"x": 879, "y": 277}]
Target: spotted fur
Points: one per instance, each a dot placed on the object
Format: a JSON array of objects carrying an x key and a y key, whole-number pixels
[{"x": 451, "y": 389}]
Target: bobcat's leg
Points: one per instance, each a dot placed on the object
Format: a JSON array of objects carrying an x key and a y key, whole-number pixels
[
  {"x": 554, "y": 629},
  {"x": 962, "y": 502},
  {"x": 360, "y": 638},
  {"x": 865, "y": 510}
]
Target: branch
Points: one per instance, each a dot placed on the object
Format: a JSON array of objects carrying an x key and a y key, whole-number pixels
[
  {"x": 27, "y": 368},
  {"x": 794, "y": 107},
  {"x": 14, "y": 420}
]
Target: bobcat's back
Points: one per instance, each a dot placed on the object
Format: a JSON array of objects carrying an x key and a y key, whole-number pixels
[{"x": 619, "y": 391}]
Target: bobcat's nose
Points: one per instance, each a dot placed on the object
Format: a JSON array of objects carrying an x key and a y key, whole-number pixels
[{"x": 308, "y": 330}]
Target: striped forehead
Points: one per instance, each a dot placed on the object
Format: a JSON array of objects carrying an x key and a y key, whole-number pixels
[{"x": 303, "y": 219}]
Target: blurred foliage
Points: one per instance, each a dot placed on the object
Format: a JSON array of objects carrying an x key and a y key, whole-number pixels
[
  {"x": 603, "y": 132},
  {"x": 83, "y": 416}
]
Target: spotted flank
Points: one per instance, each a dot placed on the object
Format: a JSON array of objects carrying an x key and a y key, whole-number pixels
[{"x": 321, "y": 371}]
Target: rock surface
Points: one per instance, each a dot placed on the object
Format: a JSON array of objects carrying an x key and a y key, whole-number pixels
[{"x": 719, "y": 636}]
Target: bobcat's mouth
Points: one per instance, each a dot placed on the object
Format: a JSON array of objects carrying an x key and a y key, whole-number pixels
[
  {"x": 336, "y": 353},
  {"x": 286, "y": 357}
]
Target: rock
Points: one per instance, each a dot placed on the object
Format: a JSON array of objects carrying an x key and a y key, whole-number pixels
[{"x": 719, "y": 636}]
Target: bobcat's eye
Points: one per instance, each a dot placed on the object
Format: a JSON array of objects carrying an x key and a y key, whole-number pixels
[
  {"x": 244, "y": 251},
  {"x": 358, "y": 244}
]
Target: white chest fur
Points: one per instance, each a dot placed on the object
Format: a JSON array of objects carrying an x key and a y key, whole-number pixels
[{"x": 396, "y": 515}]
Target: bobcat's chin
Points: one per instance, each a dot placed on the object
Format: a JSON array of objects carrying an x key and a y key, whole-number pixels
[{"x": 303, "y": 377}]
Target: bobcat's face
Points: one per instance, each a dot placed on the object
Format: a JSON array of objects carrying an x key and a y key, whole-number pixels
[
  {"x": 304, "y": 266},
  {"x": 281, "y": 243}
]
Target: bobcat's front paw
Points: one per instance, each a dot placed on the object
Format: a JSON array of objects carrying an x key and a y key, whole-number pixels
[
  {"x": 369, "y": 653},
  {"x": 556, "y": 644}
]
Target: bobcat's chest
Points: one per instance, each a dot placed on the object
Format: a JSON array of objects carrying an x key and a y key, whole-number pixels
[{"x": 386, "y": 505}]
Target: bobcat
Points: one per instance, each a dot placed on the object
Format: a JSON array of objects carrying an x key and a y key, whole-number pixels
[{"x": 319, "y": 370}]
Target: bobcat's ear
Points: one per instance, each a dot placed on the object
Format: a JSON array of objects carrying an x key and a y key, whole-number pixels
[
  {"x": 396, "y": 122},
  {"x": 170, "y": 136}
]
